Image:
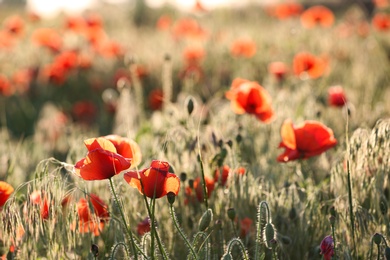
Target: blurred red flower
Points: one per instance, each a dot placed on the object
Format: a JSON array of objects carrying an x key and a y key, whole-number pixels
[
  {"x": 193, "y": 55},
  {"x": 310, "y": 139},
  {"x": 156, "y": 99},
  {"x": 278, "y": 69},
  {"x": 317, "y": 16},
  {"x": 221, "y": 175},
  {"x": 188, "y": 28},
  {"x": 14, "y": 25},
  {"x": 102, "y": 161},
  {"x": 89, "y": 222},
  {"x": 100, "y": 207},
  {"x": 84, "y": 112},
  {"x": 47, "y": 37},
  {"x": 336, "y": 96},
  {"x": 285, "y": 10},
  {"x": 249, "y": 97},
  {"x": 327, "y": 247},
  {"x": 245, "y": 227},
  {"x": 76, "y": 24},
  {"x": 155, "y": 181},
  {"x": 5, "y": 191},
  {"x": 21, "y": 79},
  {"x": 381, "y": 21},
  {"x": 6, "y": 40},
  {"x": 198, "y": 188},
  {"x": 143, "y": 227},
  {"x": 305, "y": 63},
  {"x": 243, "y": 48},
  {"x": 109, "y": 48},
  {"x": 36, "y": 199},
  {"x": 164, "y": 23},
  {"x": 5, "y": 87},
  {"x": 127, "y": 148},
  {"x": 381, "y": 3}
]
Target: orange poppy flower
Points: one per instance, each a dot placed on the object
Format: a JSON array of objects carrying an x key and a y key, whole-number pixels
[
  {"x": 249, "y": 97},
  {"x": 285, "y": 10},
  {"x": 336, "y": 96},
  {"x": 87, "y": 222},
  {"x": 109, "y": 48},
  {"x": 306, "y": 64},
  {"x": 5, "y": 87},
  {"x": 243, "y": 48},
  {"x": 36, "y": 199},
  {"x": 198, "y": 188},
  {"x": 127, "y": 148},
  {"x": 317, "y": 16},
  {"x": 21, "y": 79},
  {"x": 245, "y": 227},
  {"x": 6, "y": 40},
  {"x": 381, "y": 21},
  {"x": 14, "y": 25},
  {"x": 5, "y": 191},
  {"x": 76, "y": 24},
  {"x": 278, "y": 70},
  {"x": 67, "y": 60},
  {"x": 156, "y": 99},
  {"x": 155, "y": 181},
  {"x": 381, "y": 3},
  {"x": 221, "y": 175},
  {"x": 193, "y": 55},
  {"x": 310, "y": 139},
  {"x": 143, "y": 227},
  {"x": 188, "y": 28},
  {"x": 102, "y": 161},
  {"x": 48, "y": 38},
  {"x": 164, "y": 22},
  {"x": 100, "y": 207}
]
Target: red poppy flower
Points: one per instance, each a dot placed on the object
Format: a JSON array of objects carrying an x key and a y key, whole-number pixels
[
  {"x": 381, "y": 3},
  {"x": 198, "y": 189},
  {"x": 156, "y": 99},
  {"x": 327, "y": 247},
  {"x": 249, "y": 97},
  {"x": 155, "y": 181},
  {"x": 22, "y": 79},
  {"x": 243, "y": 48},
  {"x": 84, "y": 112},
  {"x": 14, "y": 25},
  {"x": 245, "y": 227},
  {"x": 143, "y": 227},
  {"x": 36, "y": 199},
  {"x": 278, "y": 69},
  {"x": 310, "y": 139},
  {"x": 285, "y": 10},
  {"x": 102, "y": 161},
  {"x": 109, "y": 48},
  {"x": 6, "y": 40},
  {"x": 5, "y": 87},
  {"x": 127, "y": 148},
  {"x": 336, "y": 96},
  {"x": 305, "y": 63},
  {"x": 188, "y": 28},
  {"x": 76, "y": 24},
  {"x": 193, "y": 55},
  {"x": 164, "y": 22},
  {"x": 221, "y": 175},
  {"x": 87, "y": 221},
  {"x": 317, "y": 15},
  {"x": 381, "y": 21},
  {"x": 5, "y": 191},
  {"x": 47, "y": 37}
]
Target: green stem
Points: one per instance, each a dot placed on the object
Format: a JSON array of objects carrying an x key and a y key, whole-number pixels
[
  {"x": 237, "y": 241},
  {"x": 175, "y": 222},
  {"x": 205, "y": 196},
  {"x": 128, "y": 231}
]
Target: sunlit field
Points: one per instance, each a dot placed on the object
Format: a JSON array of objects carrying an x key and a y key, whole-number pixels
[{"x": 254, "y": 132}]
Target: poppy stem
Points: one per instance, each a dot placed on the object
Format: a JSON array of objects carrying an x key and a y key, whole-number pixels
[
  {"x": 175, "y": 222},
  {"x": 128, "y": 231},
  {"x": 237, "y": 241},
  {"x": 205, "y": 197}
]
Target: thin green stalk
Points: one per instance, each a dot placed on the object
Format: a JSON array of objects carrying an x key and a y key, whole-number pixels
[
  {"x": 128, "y": 231},
  {"x": 175, "y": 222},
  {"x": 205, "y": 196},
  {"x": 237, "y": 241},
  {"x": 259, "y": 227}
]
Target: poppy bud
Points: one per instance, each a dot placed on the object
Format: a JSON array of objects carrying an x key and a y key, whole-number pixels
[
  {"x": 231, "y": 213},
  {"x": 230, "y": 143},
  {"x": 183, "y": 176},
  {"x": 205, "y": 220},
  {"x": 238, "y": 138},
  {"x": 332, "y": 220},
  {"x": 377, "y": 238},
  {"x": 332, "y": 211},
  {"x": 190, "y": 105},
  {"x": 95, "y": 250},
  {"x": 387, "y": 253},
  {"x": 269, "y": 235},
  {"x": 171, "y": 197},
  {"x": 227, "y": 256},
  {"x": 191, "y": 183}
]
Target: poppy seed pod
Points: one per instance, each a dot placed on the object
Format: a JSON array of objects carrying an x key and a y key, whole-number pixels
[
  {"x": 205, "y": 220},
  {"x": 171, "y": 197},
  {"x": 269, "y": 235},
  {"x": 190, "y": 105},
  {"x": 377, "y": 238}
]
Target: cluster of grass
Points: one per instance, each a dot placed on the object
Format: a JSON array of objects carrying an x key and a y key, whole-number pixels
[{"x": 342, "y": 192}]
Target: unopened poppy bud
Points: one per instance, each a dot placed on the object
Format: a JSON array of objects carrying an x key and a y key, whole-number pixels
[
  {"x": 205, "y": 220},
  {"x": 377, "y": 238},
  {"x": 231, "y": 212},
  {"x": 95, "y": 250},
  {"x": 293, "y": 213},
  {"x": 191, "y": 183},
  {"x": 387, "y": 253},
  {"x": 332, "y": 211},
  {"x": 183, "y": 176},
  {"x": 230, "y": 143},
  {"x": 171, "y": 197},
  {"x": 269, "y": 234},
  {"x": 332, "y": 220},
  {"x": 190, "y": 105},
  {"x": 238, "y": 138},
  {"x": 227, "y": 256}
]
